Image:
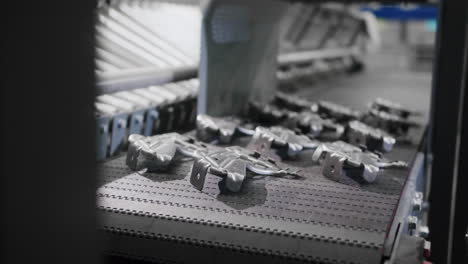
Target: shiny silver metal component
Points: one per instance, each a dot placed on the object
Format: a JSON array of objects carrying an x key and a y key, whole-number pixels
[
  {"x": 267, "y": 113},
  {"x": 337, "y": 146},
  {"x": 316, "y": 126},
  {"x": 147, "y": 153},
  {"x": 391, "y": 123},
  {"x": 334, "y": 163},
  {"x": 282, "y": 139},
  {"x": 307, "y": 121},
  {"x": 390, "y": 107},
  {"x": 337, "y": 112},
  {"x": 157, "y": 152},
  {"x": 210, "y": 129},
  {"x": 232, "y": 164},
  {"x": 358, "y": 133},
  {"x": 292, "y": 102},
  {"x": 340, "y": 156}
]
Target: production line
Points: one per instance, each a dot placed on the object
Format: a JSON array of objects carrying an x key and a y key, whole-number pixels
[{"x": 277, "y": 146}]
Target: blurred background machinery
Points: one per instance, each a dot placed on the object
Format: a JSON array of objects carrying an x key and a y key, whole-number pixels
[{"x": 140, "y": 50}]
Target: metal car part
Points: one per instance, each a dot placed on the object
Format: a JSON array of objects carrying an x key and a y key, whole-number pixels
[
  {"x": 391, "y": 123},
  {"x": 308, "y": 122},
  {"x": 287, "y": 142},
  {"x": 390, "y": 107},
  {"x": 337, "y": 112},
  {"x": 232, "y": 164},
  {"x": 147, "y": 153},
  {"x": 211, "y": 128},
  {"x": 156, "y": 154},
  {"x": 315, "y": 126},
  {"x": 358, "y": 133},
  {"x": 340, "y": 157},
  {"x": 266, "y": 113},
  {"x": 291, "y": 102}
]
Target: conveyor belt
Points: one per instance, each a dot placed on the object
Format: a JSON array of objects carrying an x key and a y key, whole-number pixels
[
  {"x": 162, "y": 217},
  {"x": 275, "y": 218}
]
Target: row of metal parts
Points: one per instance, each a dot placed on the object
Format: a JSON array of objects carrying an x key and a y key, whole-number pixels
[
  {"x": 269, "y": 147},
  {"x": 329, "y": 120},
  {"x": 145, "y": 111}
]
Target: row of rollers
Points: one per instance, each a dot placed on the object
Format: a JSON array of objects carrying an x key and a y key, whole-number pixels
[{"x": 145, "y": 111}]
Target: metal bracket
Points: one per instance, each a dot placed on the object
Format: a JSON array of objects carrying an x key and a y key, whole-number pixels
[
  {"x": 157, "y": 152},
  {"x": 393, "y": 108},
  {"x": 210, "y": 129},
  {"x": 266, "y": 113},
  {"x": 199, "y": 170},
  {"x": 287, "y": 142},
  {"x": 315, "y": 126},
  {"x": 293, "y": 103},
  {"x": 337, "y": 112},
  {"x": 147, "y": 153},
  {"x": 333, "y": 166},
  {"x": 391, "y": 123},
  {"x": 341, "y": 156},
  {"x": 358, "y": 133}
]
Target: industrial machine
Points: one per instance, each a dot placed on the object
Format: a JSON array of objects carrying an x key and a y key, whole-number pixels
[
  {"x": 228, "y": 131},
  {"x": 277, "y": 174}
]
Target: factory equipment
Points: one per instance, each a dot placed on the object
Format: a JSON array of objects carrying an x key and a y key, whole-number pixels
[
  {"x": 229, "y": 131},
  {"x": 277, "y": 177}
]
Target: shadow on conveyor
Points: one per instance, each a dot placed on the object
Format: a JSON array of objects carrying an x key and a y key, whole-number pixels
[
  {"x": 385, "y": 184},
  {"x": 252, "y": 193},
  {"x": 116, "y": 169}
]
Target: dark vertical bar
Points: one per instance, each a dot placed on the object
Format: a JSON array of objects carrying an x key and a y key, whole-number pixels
[
  {"x": 47, "y": 132},
  {"x": 460, "y": 215},
  {"x": 445, "y": 124}
]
